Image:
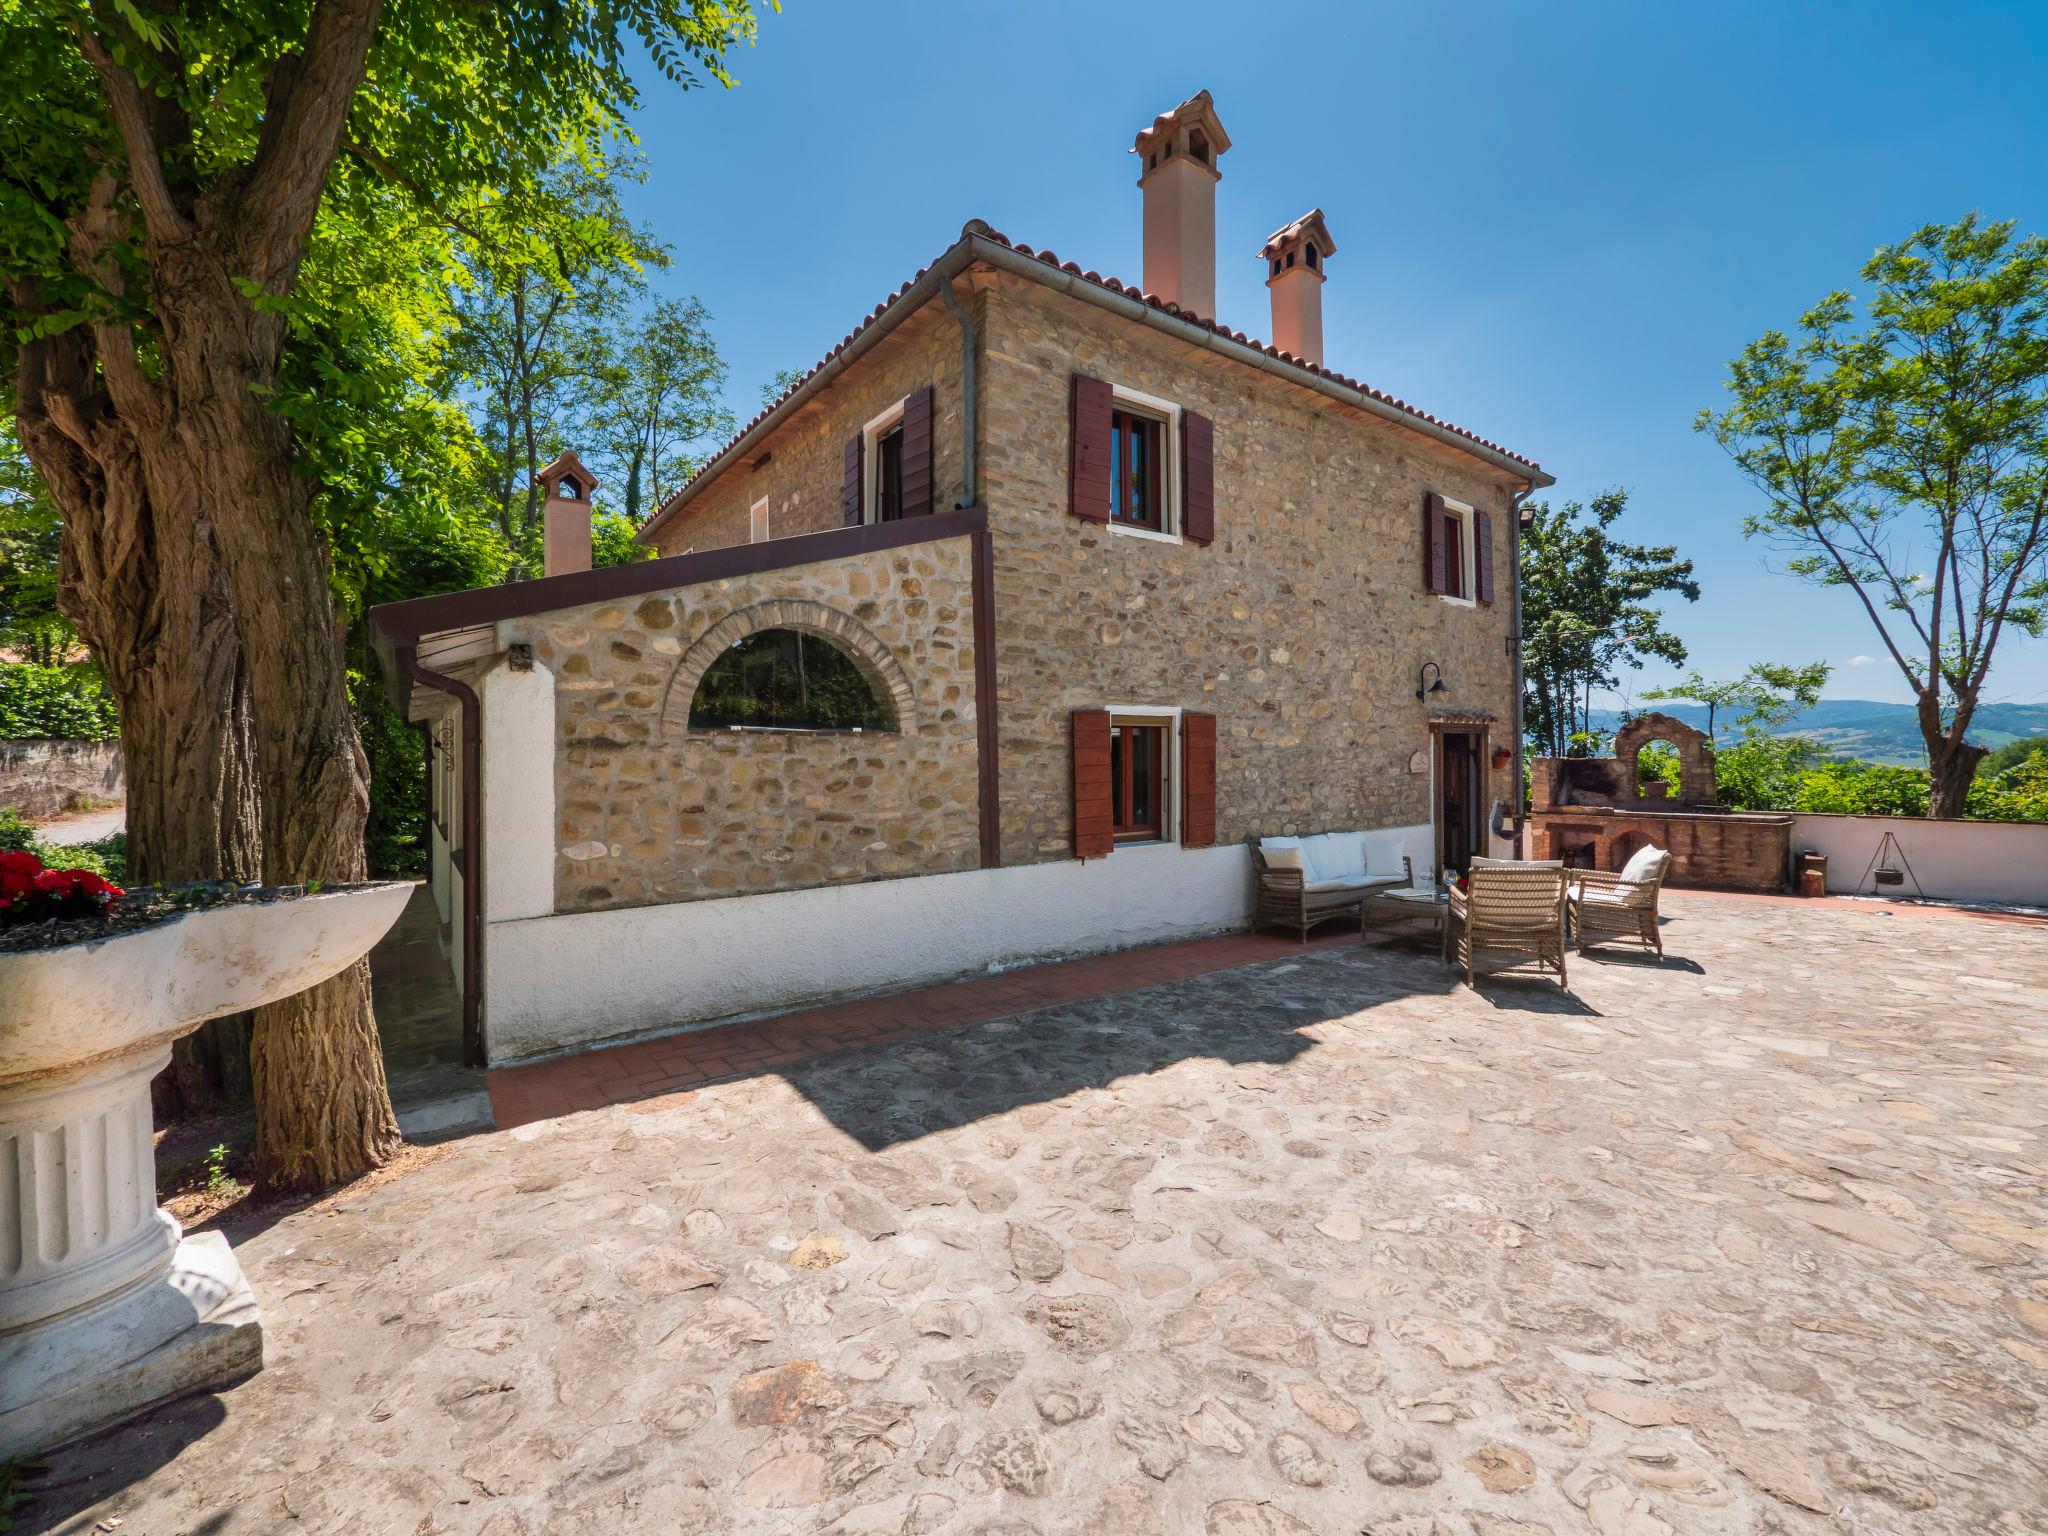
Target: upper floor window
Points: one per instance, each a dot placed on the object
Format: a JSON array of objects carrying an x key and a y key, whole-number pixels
[
  {"x": 1459, "y": 578},
  {"x": 887, "y": 499},
  {"x": 1137, "y": 470},
  {"x": 789, "y": 680}
]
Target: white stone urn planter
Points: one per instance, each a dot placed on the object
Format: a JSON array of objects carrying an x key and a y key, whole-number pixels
[{"x": 105, "y": 1306}]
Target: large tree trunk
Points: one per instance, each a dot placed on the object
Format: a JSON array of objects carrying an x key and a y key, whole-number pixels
[
  {"x": 1951, "y": 769},
  {"x": 143, "y": 585},
  {"x": 323, "y": 1108}
]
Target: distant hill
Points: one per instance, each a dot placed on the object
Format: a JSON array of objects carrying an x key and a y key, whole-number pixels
[{"x": 1874, "y": 732}]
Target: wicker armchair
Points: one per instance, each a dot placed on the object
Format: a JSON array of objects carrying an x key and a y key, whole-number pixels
[
  {"x": 1604, "y": 905},
  {"x": 1302, "y": 897},
  {"x": 1509, "y": 908}
]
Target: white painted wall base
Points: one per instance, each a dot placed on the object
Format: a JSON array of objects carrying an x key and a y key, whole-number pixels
[
  {"x": 579, "y": 978},
  {"x": 1994, "y": 861}
]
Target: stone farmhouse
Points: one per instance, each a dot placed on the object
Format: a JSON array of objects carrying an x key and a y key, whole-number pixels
[{"x": 992, "y": 640}]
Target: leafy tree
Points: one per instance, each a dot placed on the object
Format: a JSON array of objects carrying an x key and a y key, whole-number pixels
[
  {"x": 535, "y": 307},
  {"x": 1586, "y": 610},
  {"x": 1769, "y": 695},
  {"x": 660, "y": 382},
  {"x": 1907, "y": 461},
  {"x": 784, "y": 381},
  {"x": 170, "y": 178}
]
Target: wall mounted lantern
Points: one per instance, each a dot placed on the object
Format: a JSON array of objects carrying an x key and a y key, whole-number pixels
[{"x": 1424, "y": 687}]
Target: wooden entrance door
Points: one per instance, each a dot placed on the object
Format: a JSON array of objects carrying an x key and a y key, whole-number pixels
[{"x": 1458, "y": 788}]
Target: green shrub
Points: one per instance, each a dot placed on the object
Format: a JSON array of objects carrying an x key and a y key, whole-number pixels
[
  {"x": 68, "y": 702},
  {"x": 1783, "y": 773}
]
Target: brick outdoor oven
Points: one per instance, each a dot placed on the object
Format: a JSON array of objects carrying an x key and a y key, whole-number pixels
[{"x": 1587, "y": 811}]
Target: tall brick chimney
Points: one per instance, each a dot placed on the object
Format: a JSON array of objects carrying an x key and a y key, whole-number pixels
[
  {"x": 565, "y": 488},
  {"x": 1294, "y": 274},
  {"x": 1179, "y": 153}
]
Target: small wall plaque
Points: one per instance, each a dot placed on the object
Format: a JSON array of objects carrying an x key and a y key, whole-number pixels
[{"x": 1418, "y": 761}]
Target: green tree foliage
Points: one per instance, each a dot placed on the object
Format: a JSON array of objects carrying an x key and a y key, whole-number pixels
[
  {"x": 659, "y": 380},
  {"x": 31, "y": 627},
  {"x": 784, "y": 381},
  {"x": 67, "y": 701},
  {"x": 1769, "y": 695},
  {"x": 1906, "y": 461},
  {"x": 1588, "y": 609},
  {"x": 2011, "y": 755}
]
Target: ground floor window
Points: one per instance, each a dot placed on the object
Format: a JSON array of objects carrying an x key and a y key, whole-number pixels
[
  {"x": 789, "y": 680},
  {"x": 1138, "y": 761}
]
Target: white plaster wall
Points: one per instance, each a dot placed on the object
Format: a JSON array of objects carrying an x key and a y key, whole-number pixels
[
  {"x": 518, "y": 793},
  {"x": 577, "y": 978},
  {"x": 437, "y": 869},
  {"x": 1997, "y": 861},
  {"x": 458, "y": 932}
]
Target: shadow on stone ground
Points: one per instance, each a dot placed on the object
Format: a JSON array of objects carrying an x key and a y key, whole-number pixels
[{"x": 1753, "y": 1249}]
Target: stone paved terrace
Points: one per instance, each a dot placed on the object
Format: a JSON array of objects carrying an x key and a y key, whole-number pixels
[{"x": 1752, "y": 1242}]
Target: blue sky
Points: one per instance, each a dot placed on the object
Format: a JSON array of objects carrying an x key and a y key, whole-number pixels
[{"x": 1555, "y": 224}]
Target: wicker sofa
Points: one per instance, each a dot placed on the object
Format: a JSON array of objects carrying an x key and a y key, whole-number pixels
[{"x": 1303, "y": 881}]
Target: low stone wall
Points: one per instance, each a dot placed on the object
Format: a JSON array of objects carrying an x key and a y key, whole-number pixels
[
  {"x": 1991, "y": 861},
  {"x": 1726, "y": 851},
  {"x": 46, "y": 777}
]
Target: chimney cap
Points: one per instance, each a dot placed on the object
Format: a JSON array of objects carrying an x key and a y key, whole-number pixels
[
  {"x": 1309, "y": 229},
  {"x": 570, "y": 468},
  {"x": 1173, "y": 133}
]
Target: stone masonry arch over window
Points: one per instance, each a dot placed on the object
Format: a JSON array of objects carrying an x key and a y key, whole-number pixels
[
  {"x": 874, "y": 658},
  {"x": 1695, "y": 755}
]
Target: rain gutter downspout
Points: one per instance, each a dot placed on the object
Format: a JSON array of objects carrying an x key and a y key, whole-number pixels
[
  {"x": 970, "y": 391},
  {"x": 469, "y": 792}
]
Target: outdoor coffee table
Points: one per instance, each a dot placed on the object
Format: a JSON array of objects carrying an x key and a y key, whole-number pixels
[{"x": 1402, "y": 906}]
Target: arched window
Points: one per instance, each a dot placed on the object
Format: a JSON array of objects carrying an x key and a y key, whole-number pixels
[{"x": 788, "y": 680}]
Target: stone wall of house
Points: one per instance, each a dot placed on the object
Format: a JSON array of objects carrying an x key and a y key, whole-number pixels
[
  {"x": 650, "y": 811},
  {"x": 805, "y": 469},
  {"x": 1302, "y": 627}
]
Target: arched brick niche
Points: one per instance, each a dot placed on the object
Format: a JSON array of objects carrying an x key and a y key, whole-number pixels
[
  {"x": 1695, "y": 755},
  {"x": 874, "y": 658}
]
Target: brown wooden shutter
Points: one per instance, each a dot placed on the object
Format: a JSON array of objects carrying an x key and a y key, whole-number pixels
[
  {"x": 1434, "y": 576},
  {"x": 1094, "y": 833},
  {"x": 1197, "y": 477},
  {"x": 850, "y": 487},
  {"x": 1088, "y": 472},
  {"x": 1482, "y": 553},
  {"x": 917, "y": 454},
  {"x": 1198, "y": 780}
]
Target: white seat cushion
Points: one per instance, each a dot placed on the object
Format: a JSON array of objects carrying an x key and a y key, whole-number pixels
[
  {"x": 1335, "y": 855},
  {"x": 1343, "y": 883},
  {"x": 1595, "y": 896},
  {"x": 1283, "y": 853},
  {"x": 1641, "y": 865}
]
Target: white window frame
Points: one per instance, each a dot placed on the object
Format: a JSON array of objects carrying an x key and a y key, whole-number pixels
[
  {"x": 871, "y": 437},
  {"x": 1169, "y": 717},
  {"x": 757, "y": 522},
  {"x": 1169, "y": 413},
  {"x": 1468, "y": 555}
]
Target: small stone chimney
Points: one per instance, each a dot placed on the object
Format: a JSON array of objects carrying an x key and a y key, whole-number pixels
[
  {"x": 565, "y": 488},
  {"x": 1179, "y": 153},
  {"x": 1294, "y": 273}
]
